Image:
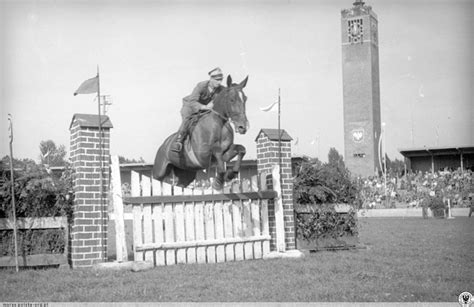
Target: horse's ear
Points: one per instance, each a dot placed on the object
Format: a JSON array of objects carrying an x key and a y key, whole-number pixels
[
  {"x": 229, "y": 81},
  {"x": 244, "y": 83}
]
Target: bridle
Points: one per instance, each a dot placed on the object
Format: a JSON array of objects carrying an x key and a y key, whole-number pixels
[{"x": 226, "y": 111}]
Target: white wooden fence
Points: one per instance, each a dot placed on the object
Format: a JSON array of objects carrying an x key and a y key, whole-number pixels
[{"x": 174, "y": 225}]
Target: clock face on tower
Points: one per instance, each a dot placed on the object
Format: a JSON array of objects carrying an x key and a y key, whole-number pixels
[{"x": 355, "y": 31}]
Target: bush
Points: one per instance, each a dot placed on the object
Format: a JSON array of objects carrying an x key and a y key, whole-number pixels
[
  {"x": 325, "y": 222},
  {"x": 37, "y": 194},
  {"x": 32, "y": 242},
  {"x": 318, "y": 186},
  {"x": 318, "y": 183},
  {"x": 437, "y": 206}
]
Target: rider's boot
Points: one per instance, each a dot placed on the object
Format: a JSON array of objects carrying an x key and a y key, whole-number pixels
[{"x": 178, "y": 144}]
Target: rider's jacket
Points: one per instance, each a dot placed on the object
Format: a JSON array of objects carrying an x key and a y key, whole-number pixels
[{"x": 200, "y": 96}]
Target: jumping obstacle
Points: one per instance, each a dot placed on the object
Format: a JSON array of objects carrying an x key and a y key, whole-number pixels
[
  {"x": 193, "y": 225},
  {"x": 174, "y": 225}
]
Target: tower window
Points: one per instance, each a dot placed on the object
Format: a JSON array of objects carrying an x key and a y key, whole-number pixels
[{"x": 355, "y": 31}]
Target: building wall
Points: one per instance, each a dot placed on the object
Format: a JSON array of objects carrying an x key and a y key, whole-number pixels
[{"x": 361, "y": 91}]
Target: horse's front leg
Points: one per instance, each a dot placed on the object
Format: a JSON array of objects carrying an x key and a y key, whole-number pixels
[
  {"x": 234, "y": 150},
  {"x": 218, "y": 155}
]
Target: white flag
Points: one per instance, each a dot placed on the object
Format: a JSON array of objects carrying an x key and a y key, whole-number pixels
[{"x": 270, "y": 107}]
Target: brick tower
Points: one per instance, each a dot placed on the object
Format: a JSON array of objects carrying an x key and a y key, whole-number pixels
[
  {"x": 89, "y": 228},
  {"x": 361, "y": 89}
]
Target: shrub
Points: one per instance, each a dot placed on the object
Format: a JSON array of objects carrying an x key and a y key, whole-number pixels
[
  {"x": 37, "y": 194},
  {"x": 325, "y": 222},
  {"x": 318, "y": 186},
  {"x": 437, "y": 206},
  {"x": 318, "y": 183}
]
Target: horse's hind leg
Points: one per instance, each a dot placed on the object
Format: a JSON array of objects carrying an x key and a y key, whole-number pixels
[{"x": 234, "y": 150}]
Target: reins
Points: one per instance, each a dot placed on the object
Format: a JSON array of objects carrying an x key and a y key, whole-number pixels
[{"x": 220, "y": 115}]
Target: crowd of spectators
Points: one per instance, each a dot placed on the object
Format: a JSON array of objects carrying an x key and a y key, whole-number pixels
[{"x": 411, "y": 189}]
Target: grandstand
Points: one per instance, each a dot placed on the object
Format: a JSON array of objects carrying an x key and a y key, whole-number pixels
[{"x": 432, "y": 159}]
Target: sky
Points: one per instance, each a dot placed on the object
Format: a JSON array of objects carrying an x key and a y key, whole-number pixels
[{"x": 152, "y": 53}]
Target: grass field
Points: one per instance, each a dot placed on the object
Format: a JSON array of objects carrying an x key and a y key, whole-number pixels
[{"x": 407, "y": 260}]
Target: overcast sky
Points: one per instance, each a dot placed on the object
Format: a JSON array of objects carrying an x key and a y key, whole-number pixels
[{"x": 151, "y": 54}]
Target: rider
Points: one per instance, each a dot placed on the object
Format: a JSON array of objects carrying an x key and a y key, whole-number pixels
[{"x": 200, "y": 99}]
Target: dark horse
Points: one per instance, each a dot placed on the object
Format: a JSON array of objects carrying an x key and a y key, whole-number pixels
[{"x": 210, "y": 140}]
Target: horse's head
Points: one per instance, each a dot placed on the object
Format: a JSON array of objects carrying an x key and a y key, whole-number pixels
[{"x": 232, "y": 104}]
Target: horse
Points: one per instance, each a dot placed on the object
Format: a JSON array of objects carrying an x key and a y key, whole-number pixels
[{"x": 210, "y": 140}]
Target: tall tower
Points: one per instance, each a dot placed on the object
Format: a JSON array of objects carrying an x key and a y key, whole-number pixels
[{"x": 361, "y": 89}]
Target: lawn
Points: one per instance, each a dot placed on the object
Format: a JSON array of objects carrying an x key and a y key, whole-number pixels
[{"x": 406, "y": 260}]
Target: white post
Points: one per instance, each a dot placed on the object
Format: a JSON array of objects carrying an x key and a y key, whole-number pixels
[
  {"x": 450, "y": 216},
  {"x": 384, "y": 164},
  {"x": 279, "y": 221},
  {"x": 120, "y": 241}
]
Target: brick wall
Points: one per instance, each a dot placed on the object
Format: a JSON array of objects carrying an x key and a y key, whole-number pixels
[
  {"x": 267, "y": 156},
  {"x": 89, "y": 225}
]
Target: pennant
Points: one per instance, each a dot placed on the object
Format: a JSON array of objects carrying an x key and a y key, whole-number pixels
[
  {"x": 10, "y": 128},
  {"x": 89, "y": 86},
  {"x": 270, "y": 107}
]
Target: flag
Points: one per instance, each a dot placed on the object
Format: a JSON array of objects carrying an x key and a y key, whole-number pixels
[
  {"x": 10, "y": 128},
  {"x": 89, "y": 86},
  {"x": 296, "y": 141},
  {"x": 270, "y": 107}
]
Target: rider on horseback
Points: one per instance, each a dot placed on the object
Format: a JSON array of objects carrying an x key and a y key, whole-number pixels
[{"x": 200, "y": 99}]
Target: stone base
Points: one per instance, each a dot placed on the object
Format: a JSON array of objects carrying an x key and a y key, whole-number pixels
[
  {"x": 294, "y": 253},
  {"x": 134, "y": 266}
]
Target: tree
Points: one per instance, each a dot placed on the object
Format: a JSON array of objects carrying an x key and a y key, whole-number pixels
[
  {"x": 395, "y": 167},
  {"x": 51, "y": 155},
  {"x": 23, "y": 164},
  {"x": 330, "y": 182},
  {"x": 335, "y": 159}
]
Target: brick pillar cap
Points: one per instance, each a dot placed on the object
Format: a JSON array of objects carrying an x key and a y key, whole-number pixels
[
  {"x": 91, "y": 121},
  {"x": 272, "y": 134}
]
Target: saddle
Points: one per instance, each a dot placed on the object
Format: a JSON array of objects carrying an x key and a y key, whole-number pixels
[{"x": 193, "y": 119}]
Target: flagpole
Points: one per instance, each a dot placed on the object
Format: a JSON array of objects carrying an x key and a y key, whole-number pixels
[
  {"x": 101, "y": 179},
  {"x": 279, "y": 132},
  {"x": 13, "y": 192}
]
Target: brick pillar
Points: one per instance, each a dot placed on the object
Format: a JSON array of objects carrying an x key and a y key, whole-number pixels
[
  {"x": 89, "y": 225},
  {"x": 267, "y": 156}
]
